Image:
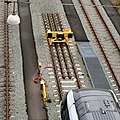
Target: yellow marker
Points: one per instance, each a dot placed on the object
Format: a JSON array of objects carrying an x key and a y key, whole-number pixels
[
  {"x": 44, "y": 93},
  {"x": 39, "y": 68}
]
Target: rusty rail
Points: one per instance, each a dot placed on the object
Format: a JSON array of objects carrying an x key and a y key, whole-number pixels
[
  {"x": 56, "y": 25},
  {"x": 71, "y": 59},
  {"x": 6, "y": 66}
]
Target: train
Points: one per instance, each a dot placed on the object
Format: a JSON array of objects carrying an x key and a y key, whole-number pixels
[{"x": 90, "y": 104}]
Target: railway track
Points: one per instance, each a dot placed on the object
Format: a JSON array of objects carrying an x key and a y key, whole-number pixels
[
  {"x": 67, "y": 71},
  {"x": 6, "y": 88},
  {"x": 11, "y": 76},
  {"x": 106, "y": 40}
]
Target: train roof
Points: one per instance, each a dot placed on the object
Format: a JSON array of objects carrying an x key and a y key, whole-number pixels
[
  {"x": 87, "y": 93},
  {"x": 94, "y": 104}
]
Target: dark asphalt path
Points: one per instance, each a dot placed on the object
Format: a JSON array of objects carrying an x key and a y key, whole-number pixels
[
  {"x": 33, "y": 97},
  {"x": 112, "y": 13},
  {"x": 74, "y": 21}
]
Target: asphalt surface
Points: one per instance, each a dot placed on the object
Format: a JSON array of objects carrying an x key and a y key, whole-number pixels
[
  {"x": 74, "y": 21},
  {"x": 93, "y": 66},
  {"x": 112, "y": 13},
  {"x": 35, "y": 108}
]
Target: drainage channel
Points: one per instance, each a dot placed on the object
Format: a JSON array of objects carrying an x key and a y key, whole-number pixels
[
  {"x": 74, "y": 21},
  {"x": 33, "y": 96}
]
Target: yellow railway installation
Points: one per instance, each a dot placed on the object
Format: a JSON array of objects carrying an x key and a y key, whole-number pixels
[{"x": 59, "y": 36}]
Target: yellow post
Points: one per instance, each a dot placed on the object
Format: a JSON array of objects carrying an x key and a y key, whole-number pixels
[
  {"x": 44, "y": 92},
  {"x": 39, "y": 68}
]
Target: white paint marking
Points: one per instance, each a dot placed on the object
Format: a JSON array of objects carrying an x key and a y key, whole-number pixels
[
  {"x": 54, "y": 86},
  {"x": 83, "y": 85},
  {"x": 78, "y": 68},
  {"x": 57, "y": 100},
  {"x": 67, "y": 81},
  {"x": 68, "y": 86},
  {"x": 52, "y": 77},
  {"x": 54, "y": 90},
  {"x": 81, "y": 76},
  {"x": 58, "y": 106},
  {"x": 51, "y": 73},
  {"x": 116, "y": 89},
  {"x": 58, "y": 111},
  {"x": 114, "y": 85},
  {"x": 56, "y": 95},
  {"x": 53, "y": 81},
  {"x": 112, "y": 80},
  {"x": 82, "y": 81},
  {"x": 80, "y": 73},
  {"x": 65, "y": 90}
]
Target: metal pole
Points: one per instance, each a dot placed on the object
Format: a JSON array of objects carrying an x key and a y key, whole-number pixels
[{"x": 13, "y": 8}]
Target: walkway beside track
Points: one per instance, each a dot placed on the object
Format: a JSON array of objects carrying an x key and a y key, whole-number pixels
[
  {"x": 112, "y": 13},
  {"x": 33, "y": 96},
  {"x": 74, "y": 21},
  {"x": 93, "y": 66}
]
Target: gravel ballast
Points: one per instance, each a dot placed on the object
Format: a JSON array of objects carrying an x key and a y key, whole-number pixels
[{"x": 47, "y": 6}]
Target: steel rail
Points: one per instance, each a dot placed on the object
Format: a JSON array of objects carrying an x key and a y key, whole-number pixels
[
  {"x": 55, "y": 24},
  {"x": 56, "y": 46},
  {"x": 53, "y": 59},
  {"x": 67, "y": 67},
  {"x": 6, "y": 66},
  {"x": 71, "y": 59},
  {"x": 117, "y": 46},
  {"x": 70, "y": 56}
]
